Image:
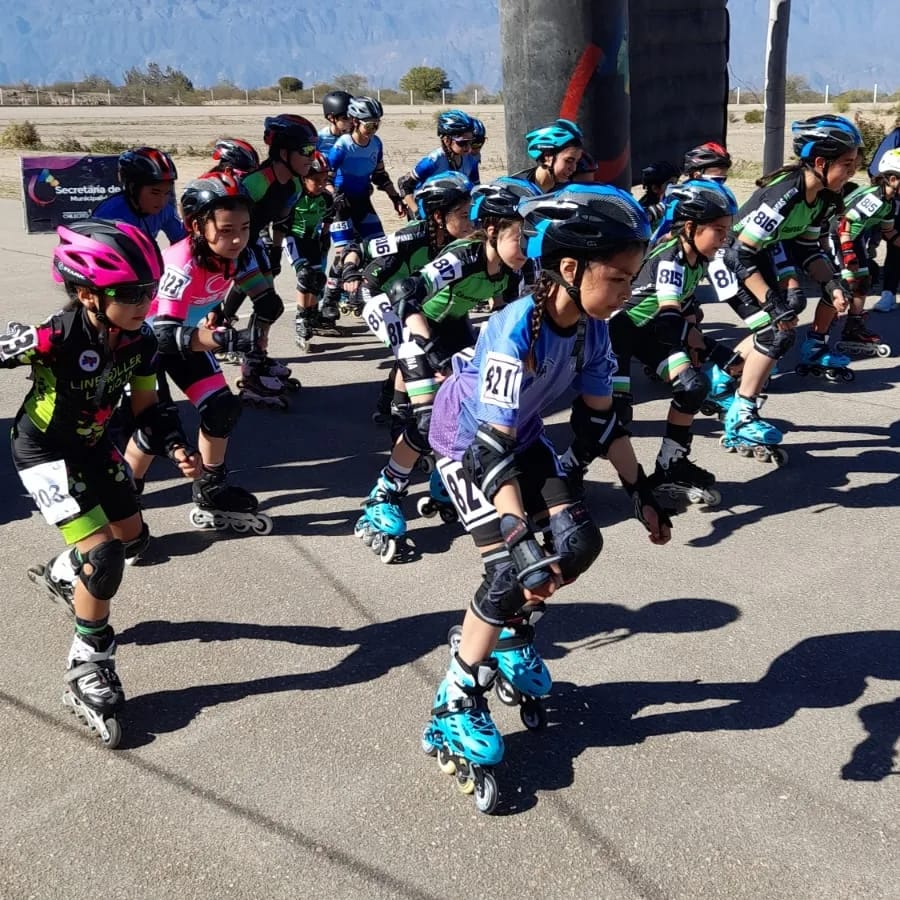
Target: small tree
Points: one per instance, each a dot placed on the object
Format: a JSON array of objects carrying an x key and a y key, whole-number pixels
[
  {"x": 352, "y": 83},
  {"x": 289, "y": 84},
  {"x": 425, "y": 80}
]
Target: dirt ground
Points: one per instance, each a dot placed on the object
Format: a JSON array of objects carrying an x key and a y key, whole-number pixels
[{"x": 407, "y": 133}]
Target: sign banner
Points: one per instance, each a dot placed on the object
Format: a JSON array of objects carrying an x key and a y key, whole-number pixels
[{"x": 59, "y": 190}]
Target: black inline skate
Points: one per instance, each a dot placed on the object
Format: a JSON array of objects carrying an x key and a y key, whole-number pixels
[
  {"x": 220, "y": 505},
  {"x": 678, "y": 478},
  {"x": 93, "y": 690}
]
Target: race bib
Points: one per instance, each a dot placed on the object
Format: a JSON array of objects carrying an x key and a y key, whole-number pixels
[
  {"x": 385, "y": 245},
  {"x": 723, "y": 280},
  {"x": 669, "y": 280},
  {"x": 442, "y": 271},
  {"x": 173, "y": 283},
  {"x": 869, "y": 205},
  {"x": 48, "y": 485},
  {"x": 761, "y": 224},
  {"x": 383, "y": 322},
  {"x": 16, "y": 340},
  {"x": 501, "y": 381},
  {"x": 473, "y": 507}
]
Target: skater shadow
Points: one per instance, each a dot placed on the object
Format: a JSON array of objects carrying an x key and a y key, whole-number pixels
[
  {"x": 822, "y": 672},
  {"x": 16, "y": 503},
  {"x": 379, "y": 648}
]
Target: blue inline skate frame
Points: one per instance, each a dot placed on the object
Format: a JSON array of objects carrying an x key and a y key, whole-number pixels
[
  {"x": 382, "y": 525},
  {"x": 438, "y": 501},
  {"x": 749, "y": 435},
  {"x": 820, "y": 362}
]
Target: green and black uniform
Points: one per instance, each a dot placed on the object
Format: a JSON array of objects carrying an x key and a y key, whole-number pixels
[{"x": 865, "y": 210}]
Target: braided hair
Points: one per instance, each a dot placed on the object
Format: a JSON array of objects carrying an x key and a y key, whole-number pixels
[{"x": 539, "y": 296}]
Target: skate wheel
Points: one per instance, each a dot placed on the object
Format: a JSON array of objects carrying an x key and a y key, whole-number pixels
[
  {"x": 448, "y": 516},
  {"x": 745, "y": 452},
  {"x": 262, "y": 525},
  {"x": 454, "y": 637},
  {"x": 816, "y": 371},
  {"x": 713, "y": 497},
  {"x": 198, "y": 518},
  {"x": 425, "y": 463},
  {"x": 533, "y": 715},
  {"x": 425, "y": 508},
  {"x": 724, "y": 445},
  {"x": 465, "y": 781},
  {"x": 779, "y": 456},
  {"x": 802, "y": 370},
  {"x": 388, "y": 551},
  {"x": 486, "y": 793},
  {"x": 846, "y": 375},
  {"x": 293, "y": 384},
  {"x": 427, "y": 746},
  {"x": 506, "y": 692},
  {"x": 883, "y": 350},
  {"x": 113, "y": 733},
  {"x": 377, "y": 542},
  {"x": 445, "y": 761},
  {"x": 709, "y": 409},
  {"x": 239, "y": 384},
  {"x": 238, "y": 525}
]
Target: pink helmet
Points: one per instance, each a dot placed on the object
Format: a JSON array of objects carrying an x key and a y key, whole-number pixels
[{"x": 97, "y": 253}]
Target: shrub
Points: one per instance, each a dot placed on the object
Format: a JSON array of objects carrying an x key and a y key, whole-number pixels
[
  {"x": 105, "y": 145},
  {"x": 841, "y": 104},
  {"x": 70, "y": 145},
  {"x": 20, "y": 136},
  {"x": 753, "y": 116},
  {"x": 872, "y": 134},
  {"x": 411, "y": 124}
]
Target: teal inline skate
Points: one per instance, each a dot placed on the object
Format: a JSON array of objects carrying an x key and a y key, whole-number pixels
[
  {"x": 382, "y": 525},
  {"x": 461, "y": 733},
  {"x": 721, "y": 392},
  {"x": 438, "y": 501},
  {"x": 817, "y": 360},
  {"x": 749, "y": 435}
]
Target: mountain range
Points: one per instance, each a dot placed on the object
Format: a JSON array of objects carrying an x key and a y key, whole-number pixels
[{"x": 844, "y": 45}]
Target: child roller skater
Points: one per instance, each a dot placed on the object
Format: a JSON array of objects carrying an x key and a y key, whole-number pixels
[
  {"x": 503, "y": 474},
  {"x": 81, "y": 360},
  {"x": 198, "y": 271}
]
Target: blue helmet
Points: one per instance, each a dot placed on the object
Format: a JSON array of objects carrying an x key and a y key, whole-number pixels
[
  {"x": 700, "y": 200},
  {"x": 582, "y": 221},
  {"x": 441, "y": 192},
  {"x": 453, "y": 123},
  {"x": 827, "y": 136},
  {"x": 479, "y": 135},
  {"x": 500, "y": 199},
  {"x": 553, "y": 138}
]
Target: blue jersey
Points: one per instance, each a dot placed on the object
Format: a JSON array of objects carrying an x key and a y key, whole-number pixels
[
  {"x": 326, "y": 140},
  {"x": 118, "y": 208},
  {"x": 436, "y": 163},
  {"x": 494, "y": 387},
  {"x": 353, "y": 164}
]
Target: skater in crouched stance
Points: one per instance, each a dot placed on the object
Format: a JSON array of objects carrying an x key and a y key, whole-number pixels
[
  {"x": 502, "y": 472},
  {"x": 81, "y": 360}
]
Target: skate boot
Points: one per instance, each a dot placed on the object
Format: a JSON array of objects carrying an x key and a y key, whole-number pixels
[
  {"x": 229, "y": 357},
  {"x": 749, "y": 435},
  {"x": 574, "y": 470},
  {"x": 57, "y": 578},
  {"x": 221, "y": 505},
  {"x": 721, "y": 392},
  {"x": 857, "y": 340},
  {"x": 437, "y": 502},
  {"x": 303, "y": 329},
  {"x": 817, "y": 360},
  {"x": 136, "y": 548},
  {"x": 678, "y": 478},
  {"x": 886, "y": 302},
  {"x": 260, "y": 390},
  {"x": 93, "y": 690},
  {"x": 272, "y": 368},
  {"x": 382, "y": 525},
  {"x": 326, "y": 323},
  {"x": 461, "y": 732}
]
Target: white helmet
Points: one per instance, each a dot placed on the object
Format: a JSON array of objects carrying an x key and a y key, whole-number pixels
[{"x": 889, "y": 164}]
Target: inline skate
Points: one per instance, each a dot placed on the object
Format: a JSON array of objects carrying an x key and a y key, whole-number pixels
[
  {"x": 749, "y": 435},
  {"x": 461, "y": 733},
  {"x": 721, "y": 393},
  {"x": 382, "y": 525},
  {"x": 817, "y": 360},
  {"x": 384, "y": 406},
  {"x": 437, "y": 502},
  {"x": 57, "y": 579},
  {"x": 272, "y": 368},
  {"x": 326, "y": 321},
  {"x": 304, "y": 320},
  {"x": 678, "y": 478},
  {"x": 857, "y": 340},
  {"x": 259, "y": 389},
  {"x": 93, "y": 690},
  {"x": 220, "y": 505}
]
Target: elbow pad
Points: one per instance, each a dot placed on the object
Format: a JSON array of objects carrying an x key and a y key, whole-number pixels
[
  {"x": 490, "y": 460},
  {"x": 382, "y": 180},
  {"x": 159, "y": 431},
  {"x": 745, "y": 261},
  {"x": 173, "y": 338},
  {"x": 406, "y": 184}
]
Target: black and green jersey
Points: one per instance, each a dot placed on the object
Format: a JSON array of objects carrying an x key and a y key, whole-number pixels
[
  {"x": 309, "y": 214},
  {"x": 865, "y": 209},
  {"x": 457, "y": 280},
  {"x": 77, "y": 381},
  {"x": 666, "y": 277},
  {"x": 272, "y": 200},
  {"x": 396, "y": 255}
]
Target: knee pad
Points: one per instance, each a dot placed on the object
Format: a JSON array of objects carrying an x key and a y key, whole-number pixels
[
  {"x": 773, "y": 343},
  {"x": 689, "y": 390},
  {"x": 310, "y": 280},
  {"x": 576, "y": 539},
  {"x": 219, "y": 414},
  {"x": 268, "y": 307},
  {"x": 106, "y": 563},
  {"x": 499, "y": 596},
  {"x": 413, "y": 436},
  {"x": 401, "y": 414}
]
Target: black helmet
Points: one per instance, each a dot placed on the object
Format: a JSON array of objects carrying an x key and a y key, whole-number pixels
[
  {"x": 236, "y": 154},
  {"x": 582, "y": 221},
  {"x": 700, "y": 200},
  {"x": 365, "y": 109},
  {"x": 500, "y": 199},
  {"x": 146, "y": 165},
  {"x": 335, "y": 103},
  {"x": 659, "y": 173},
  {"x": 441, "y": 193},
  {"x": 707, "y": 156},
  {"x": 827, "y": 136},
  {"x": 209, "y": 192},
  {"x": 290, "y": 132}
]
